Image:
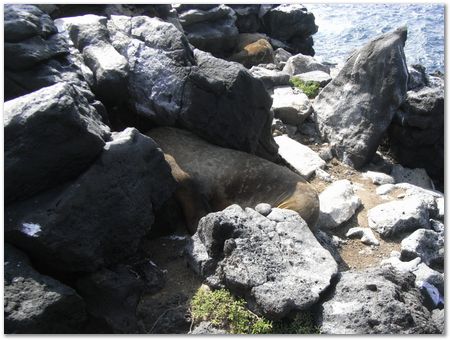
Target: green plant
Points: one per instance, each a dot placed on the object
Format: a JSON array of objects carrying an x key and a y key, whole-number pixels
[
  {"x": 226, "y": 312},
  {"x": 302, "y": 323},
  {"x": 310, "y": 88}
]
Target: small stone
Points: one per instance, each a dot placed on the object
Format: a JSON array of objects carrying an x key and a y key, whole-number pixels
[
  {"x": 263, "y": 208},
  {"x": 384, "y": 189},
  {"x": 378, "y": 177}
]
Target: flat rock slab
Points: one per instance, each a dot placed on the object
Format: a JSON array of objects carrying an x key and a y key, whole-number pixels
[
  {"x": 270, "y": 78},
  {"x": 394, "y": 218},
  {"x": 338, "y": 203},
  {"x": 275, "y": 262},
  {"x": 321, "y": 77},
  {"x": 300, "y": 63},
  {"x": 302, "y": 158},
  {"x": 376, "y": 301}
]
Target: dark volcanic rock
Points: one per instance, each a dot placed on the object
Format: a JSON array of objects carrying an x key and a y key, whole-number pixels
[
  {"x": 210, "y": 29},
  {"x": 100, "y": 218},
  {"x": 227, "y": 106},
  {"x": 416, "y": 135},
  {"x": 51, "y": 136},
  {"x": 36, "y": 303},
  {"x": 113, "y": 295},
  {"x": 354, "y": 111},
  {"x": 376, "y": 301},
  {"x": 30, "y": 37},
  {"x": 247, "y": 17},
  {"x": 291, "y": 23},
  {"x": 110, "y": 69},
  {"x": 26, "y": 21},
  {"x": 275, "y": 262}
]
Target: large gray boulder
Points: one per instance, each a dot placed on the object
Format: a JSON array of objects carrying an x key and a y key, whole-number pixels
[
  {"x": 355, "y": 109},
  {"x": 169, "y": 84},
  {"x": 394, "y": 218},
  {"x": 224, "y": 104},
  {"x": 376, "y": 301},
  {"x": 274, "y": 262},
  {"x": 99, "y": 218},
  {"x": 36, "y": 303},
  {"x": 416, "y": 134},
  {"x": 51, "y": 136}
]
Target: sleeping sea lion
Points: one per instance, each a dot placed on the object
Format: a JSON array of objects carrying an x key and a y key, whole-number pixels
[{"x": 211, "y": 178}]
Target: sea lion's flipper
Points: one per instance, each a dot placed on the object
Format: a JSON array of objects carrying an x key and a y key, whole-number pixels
[{"x": 188, "y": 195}]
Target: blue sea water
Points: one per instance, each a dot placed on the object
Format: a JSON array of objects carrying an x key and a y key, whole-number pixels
[{"x": 345, "y": 27}]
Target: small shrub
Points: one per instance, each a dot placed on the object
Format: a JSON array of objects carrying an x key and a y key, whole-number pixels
[
  {"x": 226, "y": 312},
  {"x": 310, "y": 88}
]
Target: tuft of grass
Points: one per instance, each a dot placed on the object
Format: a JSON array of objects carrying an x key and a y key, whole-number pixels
[
  {"x": 229, "y": 313},
  {"x": 226, "y": 312},
  {"x": 310, "y": 88}
]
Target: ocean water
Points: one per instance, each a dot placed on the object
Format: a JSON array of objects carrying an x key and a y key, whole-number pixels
[{"x": 346, "y": 27}]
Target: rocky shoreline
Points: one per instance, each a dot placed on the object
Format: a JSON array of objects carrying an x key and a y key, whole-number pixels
[{"x": 96, "y": 214}]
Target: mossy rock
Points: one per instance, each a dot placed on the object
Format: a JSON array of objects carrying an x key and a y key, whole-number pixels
[{"x": 310, "y": 88}]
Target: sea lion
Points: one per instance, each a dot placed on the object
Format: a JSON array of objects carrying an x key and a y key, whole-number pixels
[{"x": 211, "y": 178}]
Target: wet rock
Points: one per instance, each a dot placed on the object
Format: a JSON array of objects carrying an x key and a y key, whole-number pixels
[
  {"x": 378, "y": 178},
  {"x": 300, "y": 63},
  {"x": 338, "y": 203},
  {"x": 400, "y": 216},
  {"x": 290, "y": 105},
  {"x": 51, "y": 136},
  {"x": 99, "y": 218},
  {"x": 274, "y": 262},
  {"x": 426, "y": 244},
  {"x": 376, "y": 301},
  {"x": 354, "y": 111},
  {"x": 321, "y": 77},
  {"x": 36, "y": 303},
  {"x": 299, "y": 156}
]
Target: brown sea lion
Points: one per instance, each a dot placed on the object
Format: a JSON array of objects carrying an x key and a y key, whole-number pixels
[{"x": 211, "y": 178}]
